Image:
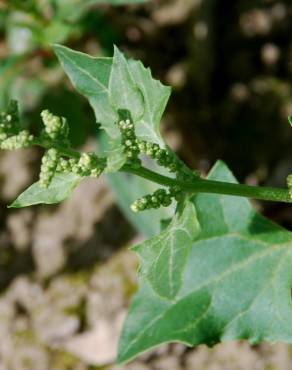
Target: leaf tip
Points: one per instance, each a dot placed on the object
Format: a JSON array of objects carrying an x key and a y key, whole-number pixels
[
  {"x": 15, "y": 204},
  {"x": 56, "y": 46},
  {"x": 59, "y": 49},
  {"x": 118, "y": 55},
  {"x": 221, "y": 172}
]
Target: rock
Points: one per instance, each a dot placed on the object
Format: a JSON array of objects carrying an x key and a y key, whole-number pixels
[
  {"x": 167, "y": 362},
  {"x": 29, "y": 358},
  {"x": 75, "y": 219},
  {"x": 99, "y": 345}
]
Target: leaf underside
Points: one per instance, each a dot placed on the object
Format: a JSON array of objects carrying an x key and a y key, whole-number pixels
[
  {"x": 236, "y": 283},
  {"x": 60, "y": 188}
]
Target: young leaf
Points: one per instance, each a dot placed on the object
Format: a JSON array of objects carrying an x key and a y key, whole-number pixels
[
  {"x": 90, "y": 76},
  {"x": 236, "y": 283},
  {"x": 163, "y": 257},
  {"x": 123, "y": 91},
  {"x": 114, "y": 84},
  {"x": 60, "y": 188},
  {"x": 155, "y": 97}
]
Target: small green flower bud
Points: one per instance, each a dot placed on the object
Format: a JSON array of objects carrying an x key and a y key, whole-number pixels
[
  {"x": 22, "y": 140},
  {"x": 87, "y": 165},
  {"x": 64, "y": 166},
  {"x": 55, "y": 127},
  {"x": 3, "y": 136},
  {"x": 166, "y": 201},
  {"x": 159, "y": 198},
  {"x": 129, "y": 140},
  {"x": 73, "y": 162},
  {"x": 175, "y": 192},
  {"x": 96, "y": 172},
  {"x": 141, "y": 145}
]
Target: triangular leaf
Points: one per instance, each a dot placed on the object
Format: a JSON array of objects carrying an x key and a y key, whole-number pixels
[
  {"x": 236, "y": 283},
  {"x": 60, "y": 188},
  {"x": 90, "y": 76},
  {"x": 163, "y": 257},
  {"x": 123, "y": 92},
  {"x": 115, "y": 84},
  {"x": 156, "y": 97}
]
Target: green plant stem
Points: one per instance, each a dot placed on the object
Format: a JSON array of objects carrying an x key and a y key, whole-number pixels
[
  {"x": 196, "y": 186},
  {"x": 47, "y": 144},
  {"x": 216, "y": 187}
]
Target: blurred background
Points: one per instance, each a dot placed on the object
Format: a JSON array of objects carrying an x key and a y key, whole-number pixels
[{"x": 66, "y": 274}]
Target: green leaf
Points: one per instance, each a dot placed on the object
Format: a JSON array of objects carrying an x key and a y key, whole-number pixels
[
  {"x": 115, "y": 84},
  {"x": 123, "y": 91},
  {"x": 163, "y": 257},
  {"x": 60, "y": 188},
  {"x": 127, "y": 188},
  {"x": 90, "y": 76},
  {"x": 155, "y": 97},
  {"x": 236, "y": 283}
]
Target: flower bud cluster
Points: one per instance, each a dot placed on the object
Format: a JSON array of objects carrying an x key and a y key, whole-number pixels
[
  {"x": 55, "y": 127},
  {"x": 9, "y": 121},
  {"x": 160, "y": 198},
  {"x": 129, "y": 140},
  {"x": 289, "y": 184},
  {"x": 48, "y": 167},
  {"x": 22, "y": 140},
  {"x": 89, "y": 164},
  {"x": 163, "y": 157},
  {"x": 175, "y": 192},
  {"x": 11, "y": 136}
]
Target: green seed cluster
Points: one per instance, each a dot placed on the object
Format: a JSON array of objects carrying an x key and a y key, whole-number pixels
[
  {"x": 129, "y": 140},
  {"x": 160, "y": 198},
  {"x": 163, "y": 157},
  {"x": 175, "y": 192},
  {"x": 11, "y": 135},
  {"x": 55, "y": 127},
  {"x": 9, "y": 121},
  {"x": 64, "y": 166},
  {"x": 289, "y": 184},
  {"x": 22, "y": 140},
  {"x": 89, "y": 164},
  {"x": 48, "y": 167}
]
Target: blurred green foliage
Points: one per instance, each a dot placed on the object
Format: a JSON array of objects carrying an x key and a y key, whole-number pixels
[{"x": 28, "y": 69}]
